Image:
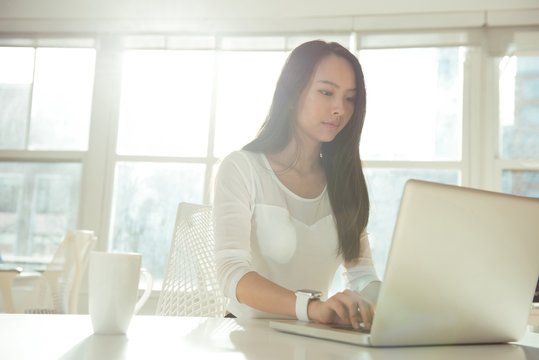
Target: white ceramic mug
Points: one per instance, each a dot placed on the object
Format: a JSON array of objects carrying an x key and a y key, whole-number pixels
[{"x": 112, "y": 288}]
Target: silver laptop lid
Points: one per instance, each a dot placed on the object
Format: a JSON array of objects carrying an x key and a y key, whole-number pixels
[{"x": 462, "y": 267}]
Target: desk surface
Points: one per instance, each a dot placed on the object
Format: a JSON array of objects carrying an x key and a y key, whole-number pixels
[{"x": 154, "y": 337}]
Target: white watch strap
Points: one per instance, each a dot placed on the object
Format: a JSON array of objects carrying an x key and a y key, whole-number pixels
[{"x": 302, "y": 303}]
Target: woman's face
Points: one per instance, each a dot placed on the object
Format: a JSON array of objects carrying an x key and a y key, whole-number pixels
[{"x": 327, "y": 103}]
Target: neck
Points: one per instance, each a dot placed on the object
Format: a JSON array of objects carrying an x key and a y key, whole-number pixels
[{"x": 304, "y": 158}]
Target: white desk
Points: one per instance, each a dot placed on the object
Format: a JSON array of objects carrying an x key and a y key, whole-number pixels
[{"x": 153, "y": 337}]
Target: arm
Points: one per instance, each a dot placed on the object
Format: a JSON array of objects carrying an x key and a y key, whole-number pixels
[
  {"x": 263, "y": 294},
  {"x": 233, "y": 202},
  {"x": 233, "y": 212},
  {"x": 232, "y": 224},
  {"x": 360, "y": 273},
  {"x": 357, "y": 303}
]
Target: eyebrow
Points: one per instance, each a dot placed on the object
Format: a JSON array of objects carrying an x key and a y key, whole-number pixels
[{"x": 329, "y": 82}]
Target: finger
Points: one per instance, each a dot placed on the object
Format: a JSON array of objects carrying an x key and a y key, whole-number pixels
[
  {"x": 339, "y": 306},
  {"x": 355, "y": 317},
  {"x": 362, "y": 310},
  {"x": 341, "y": 311},
  {"x": 366, "y": 314},
  {"x": 353, "y": 308}
]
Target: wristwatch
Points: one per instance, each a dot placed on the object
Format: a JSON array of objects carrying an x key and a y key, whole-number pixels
[{"x": 303, "y": 297}]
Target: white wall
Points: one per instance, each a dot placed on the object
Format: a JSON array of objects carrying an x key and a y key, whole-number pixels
[
  {"x": 207, "y": 16},
  {"x": 126, "y": 9},
  {"x": 256, "y": 15}
]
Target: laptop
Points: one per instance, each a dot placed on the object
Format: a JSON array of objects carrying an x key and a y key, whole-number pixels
[{"x": 462, "y": 269}]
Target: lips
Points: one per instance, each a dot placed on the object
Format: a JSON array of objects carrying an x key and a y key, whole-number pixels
[{"x": 331, "y": 124}]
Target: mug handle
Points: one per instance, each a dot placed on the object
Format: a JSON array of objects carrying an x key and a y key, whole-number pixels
[{"x": 147, "y": 292}]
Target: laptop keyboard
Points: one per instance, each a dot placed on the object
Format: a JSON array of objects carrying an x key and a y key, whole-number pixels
[{"x": 361, "y": 329}]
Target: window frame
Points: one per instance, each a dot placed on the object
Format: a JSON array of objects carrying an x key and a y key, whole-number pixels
[{"x": 480, "y": 165}]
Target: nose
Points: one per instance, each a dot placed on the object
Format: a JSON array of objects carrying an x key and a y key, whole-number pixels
[{"x": 338, "y": 106}]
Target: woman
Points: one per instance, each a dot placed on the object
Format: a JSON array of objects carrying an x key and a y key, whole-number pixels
[{"x": 292, "y": 205}]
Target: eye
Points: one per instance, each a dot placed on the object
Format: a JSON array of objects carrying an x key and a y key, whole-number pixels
[
  {"x": 325, "y": 92},
  {"x": 351, "y": 99}
]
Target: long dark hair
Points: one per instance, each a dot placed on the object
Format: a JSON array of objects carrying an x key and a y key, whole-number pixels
[{"x": 346, "y": 183}]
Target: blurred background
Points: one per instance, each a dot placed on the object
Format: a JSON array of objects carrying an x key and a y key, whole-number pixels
[{"x": 111, "y": 113}]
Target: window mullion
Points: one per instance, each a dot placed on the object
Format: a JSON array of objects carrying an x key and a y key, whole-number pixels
[
  {"x": 211, "y": 132},
  {"x": 97, "y": 180},
  {"x": 491, "y": 169},
  {"x": 30, "y": 98},
  {"x": 474, "y": 137}
]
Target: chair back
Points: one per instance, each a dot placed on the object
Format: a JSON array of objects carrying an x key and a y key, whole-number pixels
[
  {"x": 7, "y": 274},
  {"x": 57, "y": 289},
  {"x": 190, "y": 287}
]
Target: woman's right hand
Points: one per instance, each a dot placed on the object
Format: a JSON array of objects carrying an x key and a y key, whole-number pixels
[{"x": 344, "y": 308}]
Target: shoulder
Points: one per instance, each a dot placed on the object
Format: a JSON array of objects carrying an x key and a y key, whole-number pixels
[
  {"x": 241, "y": 160},
  {"x": 240, "y": 163},
  {"x": 240, "y": 156}
]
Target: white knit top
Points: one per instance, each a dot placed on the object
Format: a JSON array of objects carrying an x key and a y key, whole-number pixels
[{"x": 260, "y": 225}]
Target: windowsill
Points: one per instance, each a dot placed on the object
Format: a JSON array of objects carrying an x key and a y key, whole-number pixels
[{"x": 27, "y": 264}]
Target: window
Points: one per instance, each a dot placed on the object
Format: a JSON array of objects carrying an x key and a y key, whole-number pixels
[
  {"x": 48, "y": 93},
  {"x": 146, "y": 195},
  {"x": 39, "y": 202},
  {"x": 16, "y": 78},
  {"x": 165, "y": 103},
  {"x": 519, "y": 107},
  {"x": 148, "y": 118},
  {"x": 414, "y": 104},
  {"x": 519, "y": 124},
  {"x": 244, "y": 91},
  {"x": 413, "y": 128},
  {"x": 45, "y": 103},
  {"x": 180, "y": 110}
]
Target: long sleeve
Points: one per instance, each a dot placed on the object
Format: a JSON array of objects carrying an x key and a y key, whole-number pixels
[
  {"x": 232, "y": 222},
  {"x": 261, "y": 226},
  {"x": 360, "y": 273}
]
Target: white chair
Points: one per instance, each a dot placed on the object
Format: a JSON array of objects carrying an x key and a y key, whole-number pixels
[
  {"x": 190, "y": 286},
  {"x": 57, "y": 290},
  {"x": 6, "y": 280}
]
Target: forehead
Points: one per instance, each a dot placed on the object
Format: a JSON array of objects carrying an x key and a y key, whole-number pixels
[{"x": 337, "y": 70}]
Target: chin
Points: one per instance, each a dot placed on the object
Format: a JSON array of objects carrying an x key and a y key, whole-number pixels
[
  {"x": 329, "y": 136},
  {"x": 326, "y": 139}
]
